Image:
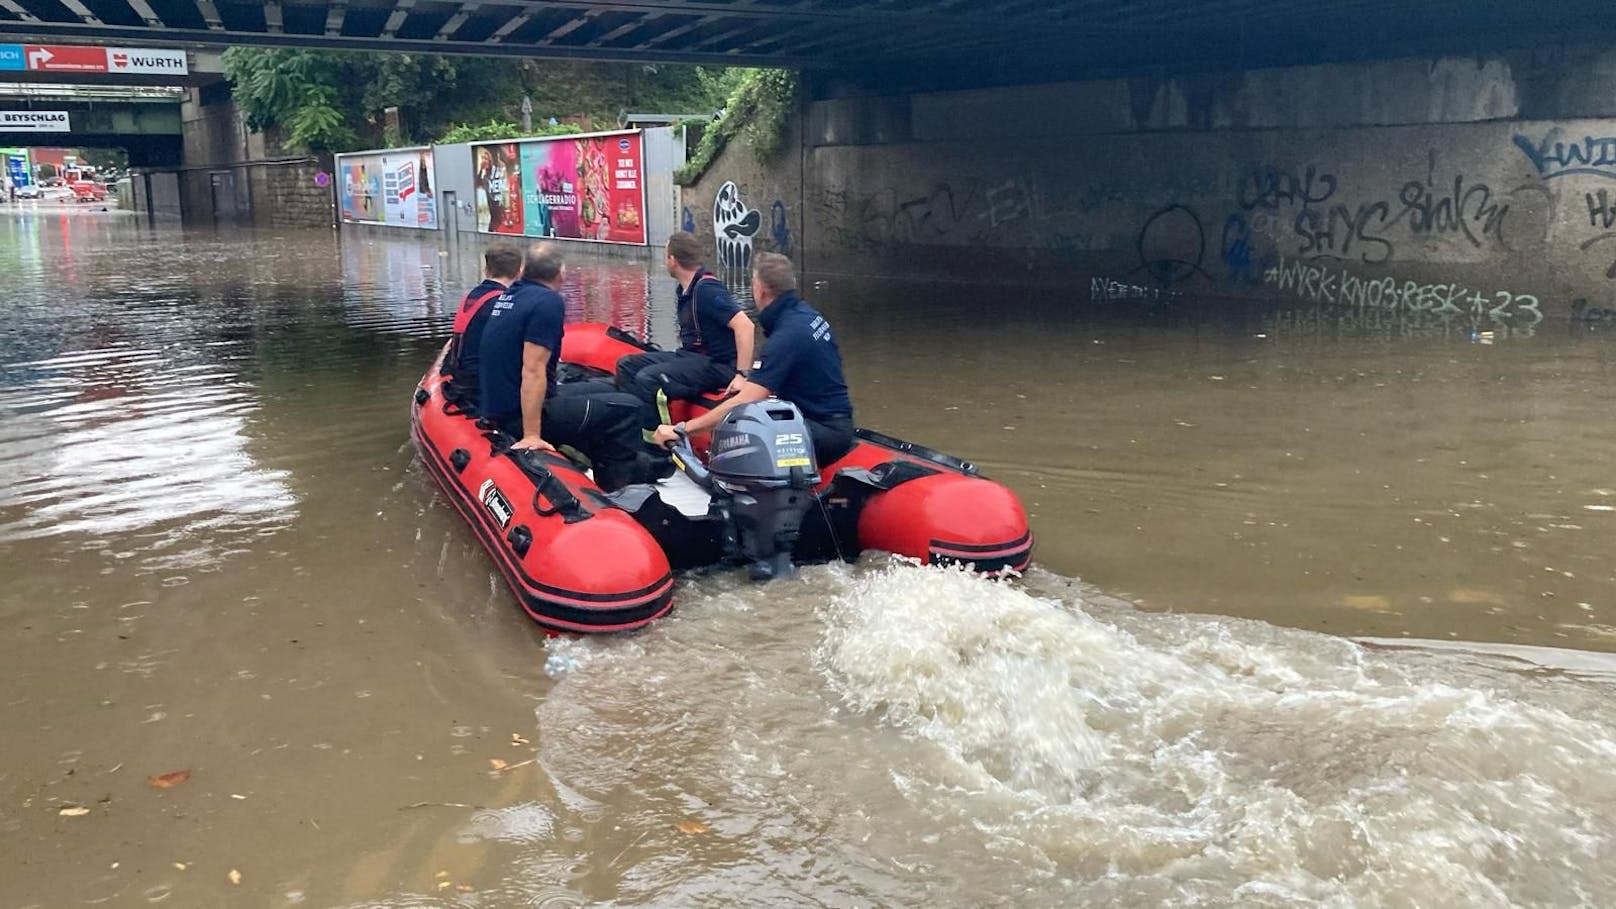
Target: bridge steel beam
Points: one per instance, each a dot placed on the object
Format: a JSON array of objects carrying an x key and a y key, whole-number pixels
[{"x": 954, "y": 42}]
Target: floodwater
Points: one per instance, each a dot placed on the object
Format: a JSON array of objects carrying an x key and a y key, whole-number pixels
[{"x": 1340, "y": 637}]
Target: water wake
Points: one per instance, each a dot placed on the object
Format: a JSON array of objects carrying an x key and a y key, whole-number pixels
[{"x": 928, "y": 734}]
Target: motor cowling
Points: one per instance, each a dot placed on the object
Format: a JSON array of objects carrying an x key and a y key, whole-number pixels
[{"x": 761, "y": 462}]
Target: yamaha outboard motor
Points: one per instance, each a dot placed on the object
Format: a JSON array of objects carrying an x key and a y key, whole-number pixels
[{"x": 761, "y": 473}]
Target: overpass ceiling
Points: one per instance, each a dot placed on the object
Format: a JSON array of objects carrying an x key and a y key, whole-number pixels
[{"x": 1060, "y": 36}]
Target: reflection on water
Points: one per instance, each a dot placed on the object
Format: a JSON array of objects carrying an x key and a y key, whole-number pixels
[
  {"x": 127, "y": 417},
  {"x": 108, "y": 443},
  {"x": 400, "y": 285},
  {"x": 221, "y": 556}
]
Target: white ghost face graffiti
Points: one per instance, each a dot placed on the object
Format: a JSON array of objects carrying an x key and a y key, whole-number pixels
[{"x": 734, "y": 224}]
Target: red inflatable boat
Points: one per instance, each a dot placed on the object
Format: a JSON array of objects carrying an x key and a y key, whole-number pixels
[
  {"x": 582, "y": 560},
  {"x": 907, "y": 499},
  {"x": 576, "y": 562}
]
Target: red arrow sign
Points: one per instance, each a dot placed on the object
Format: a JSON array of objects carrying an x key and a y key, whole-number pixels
[{"x": 58, "y": 58}]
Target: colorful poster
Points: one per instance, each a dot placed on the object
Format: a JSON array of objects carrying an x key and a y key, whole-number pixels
[
  {"x": 569, "y": 187},
  {"x": 391, "y": 187},
  {"x": 498, "y": 184}
]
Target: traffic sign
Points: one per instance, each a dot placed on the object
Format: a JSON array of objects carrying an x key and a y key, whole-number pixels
[{"x": 58, "y": 58}]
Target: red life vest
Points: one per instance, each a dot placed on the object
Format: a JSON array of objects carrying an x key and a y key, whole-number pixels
[{"x": 469, "y": 308}]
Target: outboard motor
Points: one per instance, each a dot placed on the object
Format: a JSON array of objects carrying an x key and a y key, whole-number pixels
[{"x": 761, "y": 474}]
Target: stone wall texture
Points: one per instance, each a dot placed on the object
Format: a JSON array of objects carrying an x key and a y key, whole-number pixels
[
  {"x": 1479, "y": 189},
  {"x": 234, "y": 176}
]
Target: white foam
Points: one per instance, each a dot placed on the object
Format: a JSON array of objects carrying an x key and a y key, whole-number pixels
[{"x": 989, "y": 743}]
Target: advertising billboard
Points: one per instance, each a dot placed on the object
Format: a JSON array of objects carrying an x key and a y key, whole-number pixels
[
  {"x": 67, "y": 58},
  {"x": 583, "y": 187},
  {"x": 34, "y": 121},
  {"x": 15, "y": 166},
  {"x": 393, "y": 187}
]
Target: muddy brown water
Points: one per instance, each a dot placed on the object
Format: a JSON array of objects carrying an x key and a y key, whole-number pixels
[{"x": 1320, "y": 613}]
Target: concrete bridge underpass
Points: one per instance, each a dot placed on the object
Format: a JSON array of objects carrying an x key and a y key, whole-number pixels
[
  {"x": 923, "y": 43},
  {"x": 145, "y": 122}
]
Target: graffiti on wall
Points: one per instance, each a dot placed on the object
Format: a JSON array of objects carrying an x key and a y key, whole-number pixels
[
  {"x": 1552, "y": 156},
  {"x": 885, "y": 218},
  {"x": 1338, "y": 286},
  {"x": 1327, "y": 223},
  {"x": 1171, "y": 245},
  {"x": 734, "y": 225},
  {"x": 1306, "y": 211},
  {"x": 1601, "y": 217},
  {"x": 1110, "y": 290},
  {"x": 1240, "y": 258},
  {"x": 780, "y": 227},
  {"x": 1502, "y": 205},
  {"x": 1321, "y": 319}
]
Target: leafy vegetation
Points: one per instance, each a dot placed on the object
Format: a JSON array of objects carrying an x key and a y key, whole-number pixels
[
  {"x": 335, "y": 101},
  {"x": 502, "y": 129},
  {"x": 760, "y": 104}
]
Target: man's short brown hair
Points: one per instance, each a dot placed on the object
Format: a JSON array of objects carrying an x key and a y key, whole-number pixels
[
  {"x": 774, "y": 272},
  {"x": 684, "y": 249},
  {"x": 543, "y": 262},
  {"x": 502, "y": 260}
]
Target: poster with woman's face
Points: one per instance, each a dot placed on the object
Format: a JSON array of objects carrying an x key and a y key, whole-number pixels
[
  {"x": 498, "y": 183},
  {"x": 583, "y": 189}
]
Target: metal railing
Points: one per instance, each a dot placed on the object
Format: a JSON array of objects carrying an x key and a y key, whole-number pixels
[{"x": 34, "y": 91}]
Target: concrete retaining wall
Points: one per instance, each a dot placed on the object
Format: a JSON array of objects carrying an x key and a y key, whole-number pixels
[
  {"x": 233, "y": 175},
  {"x": 1480, "y": 189}
]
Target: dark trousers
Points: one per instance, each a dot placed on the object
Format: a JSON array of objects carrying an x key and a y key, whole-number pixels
[
  {"x": 597, "y": 420},
  {"x": 833, "y": 439},
  {"x": 679, "y": 373}
]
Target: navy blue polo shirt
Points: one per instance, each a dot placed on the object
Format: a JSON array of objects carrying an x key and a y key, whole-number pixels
[
  {"x": 528, "y": 313},
  {"x": 705, "y": 308},
  {"x": 800, "y": 362},
  {"x": 469, "y": 349}
]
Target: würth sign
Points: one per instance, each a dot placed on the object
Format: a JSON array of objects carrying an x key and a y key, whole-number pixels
[{"x": 62, "y": 58}]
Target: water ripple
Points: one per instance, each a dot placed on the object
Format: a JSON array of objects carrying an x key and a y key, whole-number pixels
[{"x": 106, "y": 441}]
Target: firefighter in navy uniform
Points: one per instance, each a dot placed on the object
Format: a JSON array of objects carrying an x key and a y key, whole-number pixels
[
  {"x": 502, "y": 267},
  {"x": 715, "y": 338},
  {"x": 800, "y": 363},
  {"x": 521, "y": 348}
]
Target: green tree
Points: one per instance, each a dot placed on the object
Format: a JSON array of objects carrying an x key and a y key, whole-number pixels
[
  {"x": 758, "y": 110},
  {"x": 333, "y": 101},
  {"x": 502, "y": 129},
  {"x": 293, "y": 90}
]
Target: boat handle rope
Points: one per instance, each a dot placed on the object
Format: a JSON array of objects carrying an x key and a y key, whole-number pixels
[{"x": 548, "y": 485}]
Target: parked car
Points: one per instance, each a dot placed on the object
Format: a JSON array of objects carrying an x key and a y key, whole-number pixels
[
  {"x": 30, "y": 191},
  {"x": 85, "y": 191}
]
